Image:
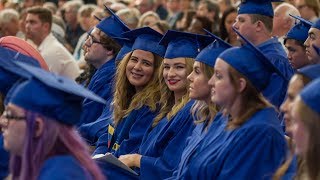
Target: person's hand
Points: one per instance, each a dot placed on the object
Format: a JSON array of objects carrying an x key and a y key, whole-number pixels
[{"x": 131, "y": 160}]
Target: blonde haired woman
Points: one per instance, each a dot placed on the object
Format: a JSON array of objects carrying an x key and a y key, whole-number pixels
[{"x": 136, "y": 95}]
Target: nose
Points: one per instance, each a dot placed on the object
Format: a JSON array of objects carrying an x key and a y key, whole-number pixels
[
  {"x": 137, "y": 66},
  {"x": 171, "y": 72},
  {"x": 190, "y": 77},
  {"x": 284, "y": 105},
  {"x": 211, "y": 81},
  {"x": 235, "y": 25},
  {"x": 307, "y": 42}
]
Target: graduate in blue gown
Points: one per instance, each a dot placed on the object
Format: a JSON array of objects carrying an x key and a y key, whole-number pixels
[
  {"x": 38, "y": 128},
  {"x": 8, "y": 78},
  {"x": 302, "y": 77},
  {"x": 204, "y": 111},
  {"x": 136, "y": 95},
  {"x": 254, "y": 21},
  {"x": 90, "y": 132},
  {"x": 164, "y": 142},
  {"x": 102, "y": 49},
  {"x": 247, "y": 142},
  {"x": 305, "y": 115}
]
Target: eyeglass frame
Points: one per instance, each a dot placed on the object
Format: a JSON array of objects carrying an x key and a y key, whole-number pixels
[
  {"x": 7, "y": 117},
  {"x": 92, "y": 40}
]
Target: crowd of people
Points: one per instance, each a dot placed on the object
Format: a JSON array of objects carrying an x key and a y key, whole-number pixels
[{"x": 160, "y": 89}]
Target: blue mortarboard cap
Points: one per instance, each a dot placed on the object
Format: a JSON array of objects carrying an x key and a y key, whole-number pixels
[
  {"x": 251, "y": 62},
  {"x": 146, "y": 39},
  {"x": 316, "y": 24},
  {"x": 210, "y": 53},
  {"x": 112, "y": 25},
  {"x": 125, "y": 49},
  {"x": 299, "y": 31},
  {"x": 311, "y": 71},
  {"x": 51, "y": 95},
  {"x": 311, "y": 95},
  {"x": 183, "y": 44},
  {"x": 9, "y": 72},
  {"x": 262, "y": 7}
]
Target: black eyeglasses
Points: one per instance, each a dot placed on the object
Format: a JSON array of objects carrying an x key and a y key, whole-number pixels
[
  {"x": 7, "y": 116},
  {"x": 93, "y": 40}
]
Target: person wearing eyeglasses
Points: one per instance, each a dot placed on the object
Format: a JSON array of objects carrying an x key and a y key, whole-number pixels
[
  {"x": 101, "y": 49},
  {"x": 39, "y": 132}
]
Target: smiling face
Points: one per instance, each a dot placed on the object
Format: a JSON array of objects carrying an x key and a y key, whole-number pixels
[
  {"x": 13, "y": 126},
  {"x": 140, "y": 68},
  {"x": 175, "y": 74},
  {"x": 199, "y": 88}
]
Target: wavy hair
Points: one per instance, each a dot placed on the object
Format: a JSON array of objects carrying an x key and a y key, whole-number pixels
[
  {"x": 201, "y": 111},
  {"x": 252, "y": 101},
  {"x": 56, "y": 139},
  {"x": 167, "y": 103},
  {"x": 126, "y": 99}
]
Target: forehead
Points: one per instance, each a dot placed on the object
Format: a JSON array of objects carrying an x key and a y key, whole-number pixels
[
  {"x": 243, "y": 16},
  {"x": 174, "y": 61},
  {"x": 33, "y": 16},
  {"x": 221, "y": 65},
  {"x": 314, "y": 31}
]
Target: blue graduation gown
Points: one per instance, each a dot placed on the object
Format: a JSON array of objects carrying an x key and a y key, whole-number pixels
[
  {"x": 4, "y": 160},
  {"x": 193, "y": 142},
  {"x": 253, "y": 151},
  {"x": 90, "y": 132},
  {"x": 128, "y": 134},
  {"x": 163, "y": 145},
  {"x": 276, "y": 91},
  {"x": 101, "y": 84},
  {"x": 63, "y": 167}
]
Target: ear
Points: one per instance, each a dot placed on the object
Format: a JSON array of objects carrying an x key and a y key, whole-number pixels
[
  {"x": 259, "y": 26},
  {"x": 242, "y": 85},
  {"x": 110, "y": 53},
  {"x": 39, "y": 123},
  {"x": 47, "y": 26}
]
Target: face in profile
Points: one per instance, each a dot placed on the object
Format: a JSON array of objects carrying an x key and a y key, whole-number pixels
[
  {"x": 222, "y": 90},
  {"x": 13, "y": 125},
  {"x": 199, "y": 88},
  {"x": 295, "y": 86},
  {"x": 298, "y": 129}
]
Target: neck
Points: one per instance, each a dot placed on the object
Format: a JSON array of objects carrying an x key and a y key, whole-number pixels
[
  {"x": 178, "y": 96},
  {"x": 40, "y": 39},
  {"x": 261, "y": 38},
  {"x": 234, "y": 108},
  {"x": 98, "y": 65}
]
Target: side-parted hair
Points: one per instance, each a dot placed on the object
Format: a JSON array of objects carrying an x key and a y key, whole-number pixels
[
  {"x": 44, "y": 14},
  {"x": 167, "y": 102},
  {"x": 266, "y": 20},
  {"x": 56, "y": 139},
  {"x": 200, "y": 110},
  {"x": 126, "y": 99},
  {"x": 252, "y": 100}
]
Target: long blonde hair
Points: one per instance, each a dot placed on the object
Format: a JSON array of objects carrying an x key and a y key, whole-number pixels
[
  {"x": 201, "y": 111},
  {"x": 126, "y": 99},
  {"x": 168, "y": 106}
]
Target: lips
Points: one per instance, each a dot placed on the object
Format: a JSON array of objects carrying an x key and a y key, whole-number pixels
[
  {"x": 172, "y": 81},
  {"x": 136, "y": 75}
]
